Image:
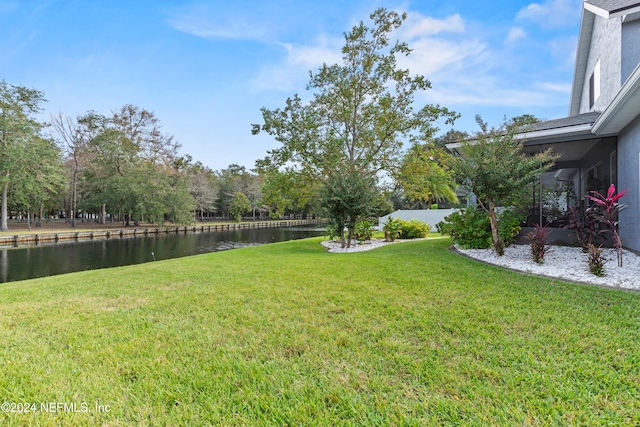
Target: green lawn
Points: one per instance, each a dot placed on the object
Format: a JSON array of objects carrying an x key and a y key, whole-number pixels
[{"x": 287, "y": 334}]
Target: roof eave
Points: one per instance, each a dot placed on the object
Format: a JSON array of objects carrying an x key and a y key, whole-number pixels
[
  {"x": 546, "y": 135},
  {"x": 569, "y": 131},
  {"x": 606, "y": 14}
]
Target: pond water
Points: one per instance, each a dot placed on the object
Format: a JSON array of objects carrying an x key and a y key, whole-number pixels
[{"x": 66, "y": 257}]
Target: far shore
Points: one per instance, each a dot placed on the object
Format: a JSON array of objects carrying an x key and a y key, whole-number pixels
[{"x": 17, "y": 227}]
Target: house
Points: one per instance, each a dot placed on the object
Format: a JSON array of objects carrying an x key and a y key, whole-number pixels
[{"x": 599, "y": 141}]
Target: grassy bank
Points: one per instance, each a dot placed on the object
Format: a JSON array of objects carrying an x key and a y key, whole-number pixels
[{"x": 287, "y": 334}]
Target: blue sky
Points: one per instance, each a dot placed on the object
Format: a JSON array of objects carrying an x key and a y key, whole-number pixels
[{"x": 207, "y": 67}]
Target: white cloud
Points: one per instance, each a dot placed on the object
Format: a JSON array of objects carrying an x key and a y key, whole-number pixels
[
  {"x": 551, "y": 13},
  {"x": 418, "y": 25},
  {"x": 515, "y": 34},
  {"x": 325, "y": 51},
  {"x": 431, "y": 56},
  {"x": 293, "y": 70},
  {"x": 485, "y": 92},
  {"x": 202, "y": 21},
  {"x": 564, "y": 88}
]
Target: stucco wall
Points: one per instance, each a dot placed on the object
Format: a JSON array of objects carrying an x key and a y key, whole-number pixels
[
  {"x": 630, "y": 48},
  {"x": 629, "y": 177},
  {"x": 606, "y": 46}
]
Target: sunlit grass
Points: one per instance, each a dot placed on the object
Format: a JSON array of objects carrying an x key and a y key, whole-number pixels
[{"x": 287, "y": 334}]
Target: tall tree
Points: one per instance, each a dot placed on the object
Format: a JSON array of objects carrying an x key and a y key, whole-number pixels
[
  {"x": 18, "y": 105},
  {"x": 360, "y": 112},
  {"x": 451, "y": 135},
  {"x": 425, "y": 174},
  {"x": 289, "y": 189},
  {"x": 72, "y": 136},
  {"x": 494, "y": 167},
  {"x": 133, "y": 167},
  {"x": 200, "y": 183},
  {"x": 239, "y": 204},
  {"x": 42, "y": 176}
]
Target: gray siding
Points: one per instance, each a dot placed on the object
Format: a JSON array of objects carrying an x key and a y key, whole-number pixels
[
  {"x": 606, "y": 46},
  {"x": 630, "y": 48},
  {"x": 629, "y": 177}
]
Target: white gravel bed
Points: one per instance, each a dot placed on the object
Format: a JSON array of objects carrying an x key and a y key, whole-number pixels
[
  {"x": 335, "y": 246},
  {"x": 566, "y": 263}
]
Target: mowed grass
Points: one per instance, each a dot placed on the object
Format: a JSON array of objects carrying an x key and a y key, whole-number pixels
[{"x": 286, "y": 334}]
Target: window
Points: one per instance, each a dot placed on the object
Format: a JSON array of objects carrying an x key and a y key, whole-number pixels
[{"x": 594, "y": 85}]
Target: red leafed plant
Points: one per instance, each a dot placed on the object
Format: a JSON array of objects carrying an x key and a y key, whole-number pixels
[
  {"x": 606, "y": 212},
  {"x": 539, "y": 242}
]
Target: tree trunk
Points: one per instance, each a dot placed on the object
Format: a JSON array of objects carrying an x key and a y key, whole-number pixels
[
  {"x": 349, "y": 236},
  {"x": 28, "y": 219},
  {"x": 3, "y": 215},
  {"x": 74, "y": 198},
  {"x": 497, "y": 243}
]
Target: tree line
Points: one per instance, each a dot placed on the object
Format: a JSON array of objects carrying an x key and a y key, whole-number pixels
[{"x": 117, "y": 167}]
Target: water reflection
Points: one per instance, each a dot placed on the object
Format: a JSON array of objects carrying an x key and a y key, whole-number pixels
[{"x": 67, "y": 257}]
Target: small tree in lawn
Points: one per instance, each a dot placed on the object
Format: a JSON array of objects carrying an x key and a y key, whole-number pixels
[
  {"x": 239, "y": 204},
  {"x": 346, "y": 198},
  {"x": 494, "y": 167},
  {"x": 607, "y": 213}
]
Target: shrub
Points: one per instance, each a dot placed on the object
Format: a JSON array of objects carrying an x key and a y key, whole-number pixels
[
  {"x": 392, "y": 229},
  {"x": 414, "y": 229},
  {"x": 509, "y": 225},
  {"x": 364, "y": 230},
  {"x": 607, "y": 208},
  {"x": 470, "y": 228},
  {"x": 596, "y": 261},
  {"x": 445, "y": 227},
  {"x": 539, "y": 242},
  {"x": 583, "y": 226},
  {"x": 332, "y": 231}
]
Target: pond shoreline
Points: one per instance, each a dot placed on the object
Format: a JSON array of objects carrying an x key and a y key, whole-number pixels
[{"x": 24, "y": 240}]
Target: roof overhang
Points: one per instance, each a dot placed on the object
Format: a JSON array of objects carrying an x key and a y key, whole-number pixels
[
  {"x": 570, "y": 152},
  {"x": 608, "y": 11},
  {"x": 547, "y": 136},
  {"x": 572, "y": 137},
  {"x": 569, "y": 133},
  {"x": 624, "y": 108}
]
